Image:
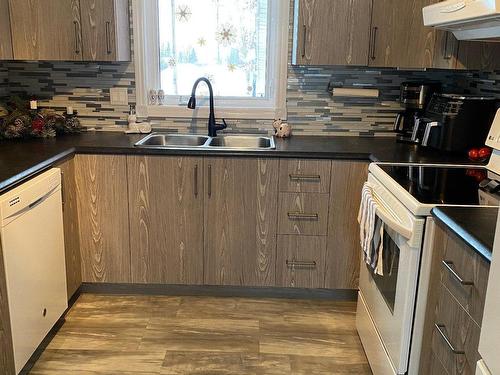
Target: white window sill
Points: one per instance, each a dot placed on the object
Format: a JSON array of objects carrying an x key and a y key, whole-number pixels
[{"x": 257, "y": 113}]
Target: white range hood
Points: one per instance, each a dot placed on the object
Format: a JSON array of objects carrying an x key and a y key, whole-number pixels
[{"x": 467, "y": 19}]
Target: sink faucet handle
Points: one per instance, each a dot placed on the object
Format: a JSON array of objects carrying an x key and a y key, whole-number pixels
[{"x": 220, "y": 126}]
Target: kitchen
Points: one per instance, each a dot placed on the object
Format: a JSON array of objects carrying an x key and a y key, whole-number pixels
[{"x": 324, "y": 200}]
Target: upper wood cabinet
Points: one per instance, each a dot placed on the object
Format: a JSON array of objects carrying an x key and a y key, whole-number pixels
[
  {"x": 398, "y": 35},
  {"x": 166, "y": 219},
  {"x": 5, "y": 36},
  {"x": 46, "y": 29},
  {"x": 70, "y": 30},
  {"x": 105, "y": 30},
  {"x": 241, "y": 198},
  {"x": 331, "y": 32},
  {"x": 101, "y": 182}
]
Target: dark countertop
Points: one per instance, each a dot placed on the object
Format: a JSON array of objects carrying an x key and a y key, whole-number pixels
[
  {"x": 475, "y": 225},
  {"x": 20, "y": 160}
]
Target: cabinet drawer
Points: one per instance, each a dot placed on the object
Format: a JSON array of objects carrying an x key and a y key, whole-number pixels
[
  {"x": 455, "y": 339},
  {"x": 301, "y": 261},
  {"x": 465, "y": 274},
  {"x": 302, "y": 213},
  {"x": 305, "y": 176}
]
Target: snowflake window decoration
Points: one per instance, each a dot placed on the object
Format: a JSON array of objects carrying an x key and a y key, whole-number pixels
[
  {"x": 202, "y": 42},
  {"x": 183, "y": 13},
  {"x": 226, "y": 35}
]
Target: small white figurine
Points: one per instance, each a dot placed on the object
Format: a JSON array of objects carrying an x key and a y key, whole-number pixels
[{"x": 282, "y": 129}]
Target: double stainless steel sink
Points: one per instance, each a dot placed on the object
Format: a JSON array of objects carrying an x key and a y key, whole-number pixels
[{"x": 188, "y": 141}]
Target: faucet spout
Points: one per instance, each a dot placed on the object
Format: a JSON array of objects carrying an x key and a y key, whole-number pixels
[{"x": 213, "y": 127}]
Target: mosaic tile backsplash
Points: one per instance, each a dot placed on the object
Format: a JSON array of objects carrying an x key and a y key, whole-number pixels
[{"x": 311, "y": 110}]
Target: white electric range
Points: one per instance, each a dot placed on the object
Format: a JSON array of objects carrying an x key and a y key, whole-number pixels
[{"x": 391, "y": 308}]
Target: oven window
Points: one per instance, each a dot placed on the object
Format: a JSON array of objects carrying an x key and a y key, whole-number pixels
[{"x": 387, "y": 283}]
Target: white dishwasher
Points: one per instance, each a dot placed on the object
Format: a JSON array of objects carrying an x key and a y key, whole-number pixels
[{"x": 32, "y": 240}]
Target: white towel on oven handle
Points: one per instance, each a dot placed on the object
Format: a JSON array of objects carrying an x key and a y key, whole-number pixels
[
  {"x": 366, "y": 219},
  {"x": 371, "y": 231}
]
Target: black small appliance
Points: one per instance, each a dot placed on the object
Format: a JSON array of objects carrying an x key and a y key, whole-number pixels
[
  {"x": 455, "y": 123},
  {"x": 414, "y": 97}
]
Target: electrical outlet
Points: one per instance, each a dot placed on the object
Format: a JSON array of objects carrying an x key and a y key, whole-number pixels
[{"x": 118, "y": 96}]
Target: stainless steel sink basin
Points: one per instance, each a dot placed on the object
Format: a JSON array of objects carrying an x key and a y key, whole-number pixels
[
  {"x": 188, "y": 141},
  {"x": 243, "y": 142},
  {"x": 160, "y": 140}
]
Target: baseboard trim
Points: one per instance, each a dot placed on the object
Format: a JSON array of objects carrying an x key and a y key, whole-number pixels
[{"x": 219, "y": 291}]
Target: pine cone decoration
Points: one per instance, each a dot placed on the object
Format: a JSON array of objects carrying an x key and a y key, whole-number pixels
[
  {"x": 72, "y": 125},
  {"x": 17, "y": 129}
]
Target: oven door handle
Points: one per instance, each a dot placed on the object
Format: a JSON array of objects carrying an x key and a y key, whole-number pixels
[
  {"x": 393, "y": 223},
  {"x": 384, "y": 213}
]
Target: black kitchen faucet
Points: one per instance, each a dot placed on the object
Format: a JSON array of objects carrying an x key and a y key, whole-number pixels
[{"x": 213, "y": 126}]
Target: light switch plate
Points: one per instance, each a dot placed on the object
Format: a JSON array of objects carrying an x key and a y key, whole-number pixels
[{"x": 118, "y": 96}]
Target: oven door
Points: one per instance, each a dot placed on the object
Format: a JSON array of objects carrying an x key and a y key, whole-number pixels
[{"x": 390, "y": 299}]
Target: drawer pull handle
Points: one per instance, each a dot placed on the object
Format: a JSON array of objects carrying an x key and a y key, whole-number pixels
[
  {"x": 300, "y": 264},
  {"x": 301, "y": 177},
  {"x": 449, "y": 266},
  {"x": 302, "y": 215},
  {"x": 441, "y": 328}
]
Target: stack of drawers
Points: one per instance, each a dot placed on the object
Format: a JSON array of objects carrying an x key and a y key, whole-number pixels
[
  {"x": 304, "y": 196},
  {"x": 455, "y": 307}
]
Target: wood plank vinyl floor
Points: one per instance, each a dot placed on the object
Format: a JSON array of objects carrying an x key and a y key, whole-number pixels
[{"x": 162, "y": 335}]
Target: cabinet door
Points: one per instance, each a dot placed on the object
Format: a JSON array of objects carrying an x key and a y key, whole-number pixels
[
  {"x": 5, "y": 36},
  {"x": 478, "y": 55},
  {"x": 241, "y": 198},
  {"x": 101, "y": 182},
  {"x": 384, "y": 28},
  {"x": 343, "y": 251},
  {"x": 71, "y": 227},
  {"x": 332, "y": 32},
  {"x": 46, "y": 29},
  {"x": 105, "y": 30},
  {"x": 166, "y": 219},
  {"x": 399, "y": 37}
]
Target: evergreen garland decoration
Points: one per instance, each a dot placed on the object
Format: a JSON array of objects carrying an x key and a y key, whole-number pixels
[{"x": 17, "y": 121}]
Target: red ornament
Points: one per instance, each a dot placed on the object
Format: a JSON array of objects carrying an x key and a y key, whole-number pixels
[{"x": 37, "y": 125}]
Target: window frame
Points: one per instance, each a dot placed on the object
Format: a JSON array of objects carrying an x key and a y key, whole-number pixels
[{"x": 147, "y": 69}]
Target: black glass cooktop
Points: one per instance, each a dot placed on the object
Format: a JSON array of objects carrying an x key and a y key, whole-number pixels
[{"x": 446, "y": 185}]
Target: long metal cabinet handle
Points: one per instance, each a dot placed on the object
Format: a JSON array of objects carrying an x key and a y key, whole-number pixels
[
  {"x": 108, "y": 38},
  {"x": 440, "y": 328},
  {"x": 304, "y": 40},
  {"x": 449, "y": 266},
  {"x": 77, "y": 43},
  {"x": 446, "y": 55},
  {"x": 209, "y": 180},
  {"x": 298, "y": 177},
  {"x": 302, "y": 215},
  {"x": 374, "y": 41},
  {"x": 63, "y": 195},
  {"x": 196, "y": 180},
  {"x": 300, "y": 264}
]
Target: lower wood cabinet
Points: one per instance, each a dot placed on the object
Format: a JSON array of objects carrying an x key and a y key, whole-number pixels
[
  {"x": 101, "y": 182},
  {"x": 241, "y": 197},
  {"x": 166, "y": 219},
  {"x": 212, "y": 221},
  {"x": 454, "y": 309},
  {"x": 343, "y": 250},
  {"x": 71, "y": 227}
]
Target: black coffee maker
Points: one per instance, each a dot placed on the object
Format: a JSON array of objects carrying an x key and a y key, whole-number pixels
[{"x": 414, "y": 97}]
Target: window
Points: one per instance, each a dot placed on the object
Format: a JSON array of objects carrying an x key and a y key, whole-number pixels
[{"x": 240, "y": 45}]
